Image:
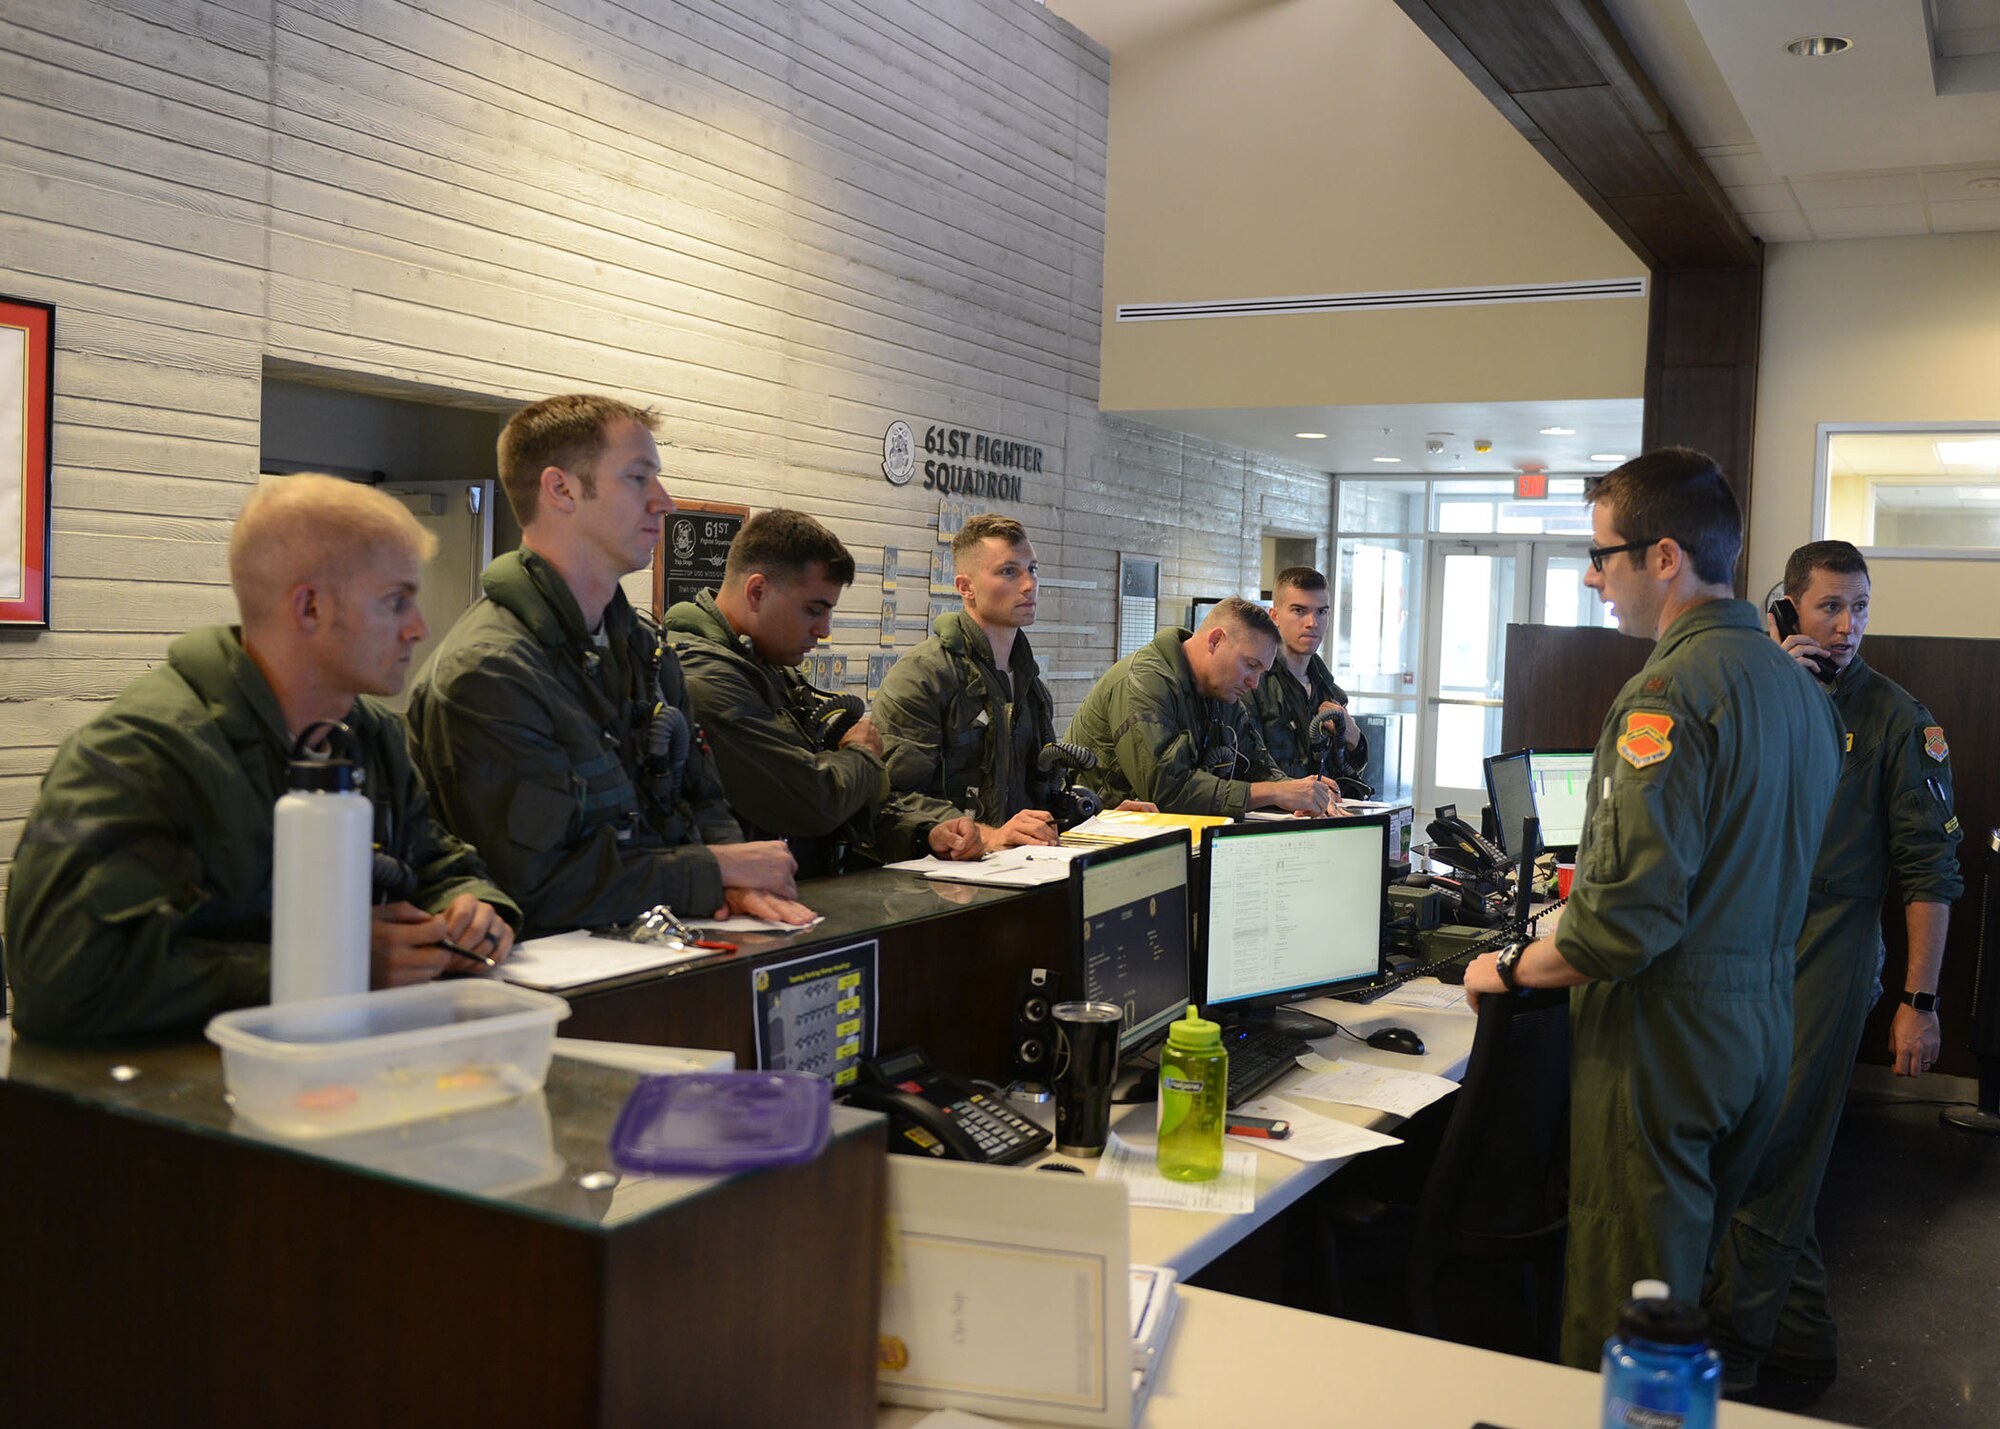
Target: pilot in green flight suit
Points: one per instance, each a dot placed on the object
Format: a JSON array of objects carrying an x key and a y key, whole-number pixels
[
  {"x": 1891, "y": 813},
  {"x": 1709, "y": 789}
]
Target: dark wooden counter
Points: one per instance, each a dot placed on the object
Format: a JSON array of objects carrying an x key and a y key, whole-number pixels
[
  {"x": 167, "y": 1263},
  {"x": 950, "y": 954}
]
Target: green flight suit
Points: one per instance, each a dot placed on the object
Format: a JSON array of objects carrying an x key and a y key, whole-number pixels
[
  {"x": 1287, "y": 713},
  {"x": 532, "y": 736},
  {"x": 1709, "y": 788},
  {"x": 1159, "y": 738},
  {"x": 1891, "y": 816},
  {"x": 140, "y": 898},
  {"x": 781, "y": 784},
  {"x": 953, "y": 730}
]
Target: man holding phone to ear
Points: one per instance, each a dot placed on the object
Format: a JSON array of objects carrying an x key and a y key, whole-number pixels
[{"x": 1892, "y": 811}]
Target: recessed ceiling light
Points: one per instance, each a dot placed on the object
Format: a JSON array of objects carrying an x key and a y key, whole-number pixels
[
  {"x": 1607, "y": 456},
  {"x": 1979, "y": 453},
  {"x": 1558, "y": 431},
  {"x": 1388, "y": 458},
  {"x": 1985, "y": 493},
  {"x": 1815, "y": 46},
  {"x": 1310, "y": 436}
]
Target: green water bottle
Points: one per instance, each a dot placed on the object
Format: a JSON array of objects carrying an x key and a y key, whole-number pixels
[{"x": 1194, "y": 1092}]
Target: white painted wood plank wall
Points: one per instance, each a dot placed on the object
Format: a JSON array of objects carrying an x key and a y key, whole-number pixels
[{"x": 787, "y": 223}]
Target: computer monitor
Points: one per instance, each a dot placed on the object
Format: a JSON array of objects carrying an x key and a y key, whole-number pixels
[
  {"x": 1291, "y": 909},
  {"x": 1547, "y": 784},
  {"x": 1561, "y": 781},
  {"x": 1511, "y": 794},
  {"x": 1129, "y": 906}
]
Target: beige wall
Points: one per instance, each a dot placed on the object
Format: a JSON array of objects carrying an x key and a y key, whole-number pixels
[
  {"x": 1326, "y": 146},
  {"x": 1876, "y": 330}
]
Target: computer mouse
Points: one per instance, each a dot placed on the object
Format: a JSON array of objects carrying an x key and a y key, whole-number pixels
[{"x": 1397, "y": 1039}]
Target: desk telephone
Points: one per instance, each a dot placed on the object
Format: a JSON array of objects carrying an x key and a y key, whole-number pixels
[
  {"x": 933, "y": 1113},
  {"x": 1457, "y": 843}
]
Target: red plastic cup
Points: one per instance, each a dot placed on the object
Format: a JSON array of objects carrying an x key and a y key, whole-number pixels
[{"x": 1565, "y": 876}]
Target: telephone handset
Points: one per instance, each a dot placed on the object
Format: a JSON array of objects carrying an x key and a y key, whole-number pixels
[
  {"x": 1457, "y": 843},
  {"x": 933, "y": 1113},
  {"x": 1787, "y": 616}
]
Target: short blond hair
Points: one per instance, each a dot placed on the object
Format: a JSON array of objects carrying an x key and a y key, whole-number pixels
[{"x": 311, "y": 529}]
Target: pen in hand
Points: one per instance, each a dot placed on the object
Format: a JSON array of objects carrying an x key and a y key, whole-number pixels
[{"x": 450, "y": 947}]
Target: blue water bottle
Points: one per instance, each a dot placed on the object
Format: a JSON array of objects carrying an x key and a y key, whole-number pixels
[{"x": 1659, "y": 1372}]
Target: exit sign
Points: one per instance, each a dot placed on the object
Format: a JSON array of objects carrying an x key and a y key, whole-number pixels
[{"x": 1531, "y": 486}]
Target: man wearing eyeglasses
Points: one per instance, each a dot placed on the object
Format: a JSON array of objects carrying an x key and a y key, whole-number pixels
[
  {"x": 1169, "y": 725},
  {"x": 1892, "y": 812},
  {"x": 1710, "y": 786}
]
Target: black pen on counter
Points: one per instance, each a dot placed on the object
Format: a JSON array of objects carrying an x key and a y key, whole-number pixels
[
  {"x": 1274, "y": 1130},
  {"x": 450, "y": 947}
]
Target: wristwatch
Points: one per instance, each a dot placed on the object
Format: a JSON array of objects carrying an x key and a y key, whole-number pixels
[
  {"x": 1504, "y": 966},
  {"x": 1922, "y": 1001}
]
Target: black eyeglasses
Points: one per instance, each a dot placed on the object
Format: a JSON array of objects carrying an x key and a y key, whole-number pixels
[{"x": 1598, "y": 553}]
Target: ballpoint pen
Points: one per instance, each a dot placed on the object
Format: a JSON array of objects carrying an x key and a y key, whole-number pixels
[{"x": 450, "y": 947}]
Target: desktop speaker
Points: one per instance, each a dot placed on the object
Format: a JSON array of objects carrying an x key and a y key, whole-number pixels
[{"x": 1031, "y": 1047}]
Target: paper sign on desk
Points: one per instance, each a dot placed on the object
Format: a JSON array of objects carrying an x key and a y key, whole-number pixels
[
  {"x": 1006, "y": 1292},
  {"x": 1314, "y": 1137},
  {"x": 572, "y": 959},
  {"x": 1364, "y": 1084},
  {"x": 1233, "y": 1193}
]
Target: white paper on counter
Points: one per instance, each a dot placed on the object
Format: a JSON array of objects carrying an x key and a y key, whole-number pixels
[
  {"x": 1233, "y": 1193},
  {"x": 744, "y": 923},
  {"x": 572, "y": 959},
  {"x": 1023, "y": 866},
  {"x": 1365, "y": 1084},
  {"x": 1442, "y": 996},
  {"x": 1314, "y": 1137}
]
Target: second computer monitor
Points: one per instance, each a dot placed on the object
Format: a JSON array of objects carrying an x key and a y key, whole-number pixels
[
  {"x": 1549, "y": 784},
  {"x": 1293, "y": 909},
  {"x": 1132, "y": 919}
]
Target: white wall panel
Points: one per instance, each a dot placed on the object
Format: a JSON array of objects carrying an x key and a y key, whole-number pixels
[{"x": 786, "y": 224}]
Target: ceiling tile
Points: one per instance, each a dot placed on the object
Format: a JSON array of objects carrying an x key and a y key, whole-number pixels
[
  {"x": 1949, "y": 185},
  {"x": 1965, "y": 217},
  {"x": 1780, "y": 227},
  {"x": 1870, "y": 221},
  {"x": 1856, "y": 192},
  {"x": 1739, "y": 165},
  {"x": 1763, "y": 198}
]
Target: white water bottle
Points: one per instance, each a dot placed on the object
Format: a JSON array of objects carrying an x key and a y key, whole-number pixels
[{"x": 321, "y": 861}]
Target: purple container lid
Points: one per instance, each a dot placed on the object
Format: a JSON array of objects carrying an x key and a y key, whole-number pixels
[{"x": 712, "y": 1123}]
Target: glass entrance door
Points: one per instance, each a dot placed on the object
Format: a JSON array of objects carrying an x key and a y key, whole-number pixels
[{"x": 1471, "y": 596}]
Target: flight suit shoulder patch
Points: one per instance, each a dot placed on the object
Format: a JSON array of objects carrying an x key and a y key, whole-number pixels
[
  {"x": 1934, "y": 744},
  {"x": 1646, "y": 739}
]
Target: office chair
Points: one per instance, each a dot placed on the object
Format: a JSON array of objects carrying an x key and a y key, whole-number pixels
[
  {"x": 1486, "y": 1252},
  {"x": 1469, "y": 1248}
]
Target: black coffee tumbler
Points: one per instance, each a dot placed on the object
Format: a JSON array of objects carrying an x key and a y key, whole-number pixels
[{"x": 1086, "y": 1066}]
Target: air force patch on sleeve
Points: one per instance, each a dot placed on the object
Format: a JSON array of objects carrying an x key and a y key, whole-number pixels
[
  {"x": 1934, "y": 744},
  {"x": 1644, "y": 740}
]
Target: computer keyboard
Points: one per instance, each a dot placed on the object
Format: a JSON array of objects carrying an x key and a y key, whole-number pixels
[{"x": 1257, "y": 1058}]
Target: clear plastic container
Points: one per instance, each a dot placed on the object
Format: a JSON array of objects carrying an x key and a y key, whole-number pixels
[{"x": 343, "y": 1064}]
